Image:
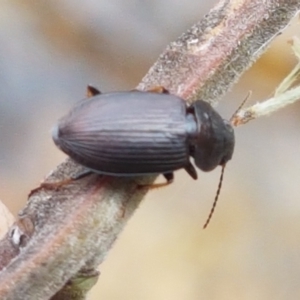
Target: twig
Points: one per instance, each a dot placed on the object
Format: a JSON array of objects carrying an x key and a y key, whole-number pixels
[
  {"x": 267, "y": 107},
  {"x": 283, "y": 95},
  {"x": 63, "y": 234}
]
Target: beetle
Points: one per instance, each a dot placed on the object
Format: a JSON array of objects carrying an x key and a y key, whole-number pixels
[{"x": 137, "y": 133}]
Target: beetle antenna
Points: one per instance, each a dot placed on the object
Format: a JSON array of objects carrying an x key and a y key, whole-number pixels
[
  {"x": 216, "y": 198},
  {"x": 240, "y": 106}
]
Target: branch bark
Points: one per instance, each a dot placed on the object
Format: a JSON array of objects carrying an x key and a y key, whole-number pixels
[{"x": 61, "y": 236}]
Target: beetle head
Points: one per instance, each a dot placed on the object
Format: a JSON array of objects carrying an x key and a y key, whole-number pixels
[{"x": 213, "y": 143}]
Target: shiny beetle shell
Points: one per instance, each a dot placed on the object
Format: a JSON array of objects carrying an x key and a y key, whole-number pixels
[{"x": 135, "y": 133}]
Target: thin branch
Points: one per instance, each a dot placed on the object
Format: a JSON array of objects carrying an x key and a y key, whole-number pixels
[
  {"x": 63, "y": 234},
  {"x": 267, "y": 107},
  {"x": 283, "y": 95}
]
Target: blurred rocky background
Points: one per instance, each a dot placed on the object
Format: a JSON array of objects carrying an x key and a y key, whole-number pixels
[{"x": 50, "y": 50}]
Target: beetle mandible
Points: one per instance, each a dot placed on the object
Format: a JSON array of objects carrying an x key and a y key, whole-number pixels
[{"x": 137, "y": 133}]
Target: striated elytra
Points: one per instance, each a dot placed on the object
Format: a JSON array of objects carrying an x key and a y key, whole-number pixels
[{"x": 135, "y": 133}]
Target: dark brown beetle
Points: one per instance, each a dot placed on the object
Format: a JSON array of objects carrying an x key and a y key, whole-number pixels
[{"x": 135, "y": 133}]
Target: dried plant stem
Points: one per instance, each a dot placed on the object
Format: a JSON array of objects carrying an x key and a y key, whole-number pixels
[
  {"x": 65, "y": 234},
  {"x": 267, "y": 107},
  {"x": 283, "y": 95}
]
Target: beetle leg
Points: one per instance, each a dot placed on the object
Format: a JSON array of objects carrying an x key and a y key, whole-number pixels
[
  {"x": 158, "y": 89},
  {"x": 59, "y": 184},
  {"x": 169, "y": 177},
  {"x": 191, "y": 170},
  {"x": 92, "y": 91},
  {"x": 51, "y": 185}
]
